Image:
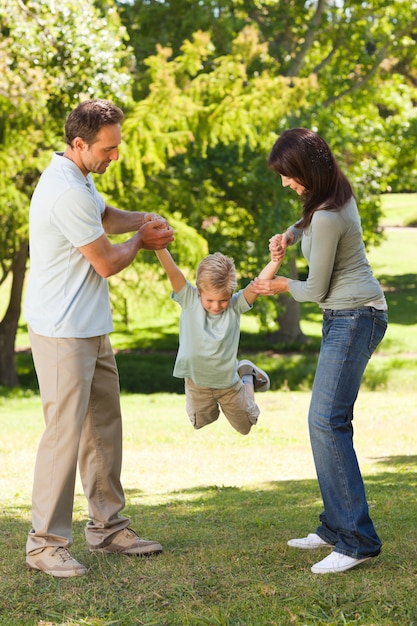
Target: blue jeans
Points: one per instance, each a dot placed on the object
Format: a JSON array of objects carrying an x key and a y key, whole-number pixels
[{"x": 348, "y": 341}]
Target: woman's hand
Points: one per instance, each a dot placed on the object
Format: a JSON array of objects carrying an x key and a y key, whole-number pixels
[{"x": 270, "y": 287}]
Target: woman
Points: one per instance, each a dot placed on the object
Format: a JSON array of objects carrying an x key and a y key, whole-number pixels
[{"x": 354, "y": 309}]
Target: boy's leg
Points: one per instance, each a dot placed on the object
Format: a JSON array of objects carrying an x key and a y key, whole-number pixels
[
  {"x": 238, "y": 405},
  {"x": 201, "y": 404}
]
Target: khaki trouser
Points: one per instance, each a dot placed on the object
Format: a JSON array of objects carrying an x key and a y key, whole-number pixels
[
  {"x": 79, "y": 387},
  {"x": 203, "y": 406}
]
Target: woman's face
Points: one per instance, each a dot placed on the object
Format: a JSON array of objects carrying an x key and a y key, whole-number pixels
[{"x": 290, "y": 182}]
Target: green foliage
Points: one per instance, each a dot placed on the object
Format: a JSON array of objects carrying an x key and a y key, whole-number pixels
[
  {"x": 60, "y": 53},
  {"x": 52, "y": 55},
  {"x": 361, "y": 81},
  {"x": 211, "y": 92},
  {"x": 212, "y": 101},
  {"x": 196, "y": 146}
]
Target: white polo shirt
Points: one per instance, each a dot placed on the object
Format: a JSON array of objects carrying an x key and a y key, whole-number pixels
[{"x": 65, "y": 296}]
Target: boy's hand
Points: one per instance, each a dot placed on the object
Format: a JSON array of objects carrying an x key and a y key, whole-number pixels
[
  {"x": 265, "y": 287},
  {"x": 278, "y": 245},
  {"x": 154, "y": 217},
  {"x": 277, "y": 248}
]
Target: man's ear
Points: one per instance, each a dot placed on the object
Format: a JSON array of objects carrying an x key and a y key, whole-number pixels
[{"x": 79, "y": 144}]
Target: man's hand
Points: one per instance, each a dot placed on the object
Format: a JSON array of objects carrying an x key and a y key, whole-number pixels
[
  {"x": 150, "y": 217},
  {"x": 109, "y": 259},
  {"x": 155, "y": 233}
]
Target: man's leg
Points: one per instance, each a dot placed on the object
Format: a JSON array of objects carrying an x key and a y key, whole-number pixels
[
  {"x": 100, "y": 454},
  {"x": 64, "y": 368},
  {"x": 100, "y": 462}
]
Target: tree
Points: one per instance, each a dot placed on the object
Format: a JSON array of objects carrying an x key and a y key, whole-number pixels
[
  {"x": 52, "y": 55},
  {"x": 345, "y": 64},
  {"x": 208, "y": 105}
]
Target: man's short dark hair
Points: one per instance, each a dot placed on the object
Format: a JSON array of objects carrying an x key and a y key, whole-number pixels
[{"x": 89, "y": 117}]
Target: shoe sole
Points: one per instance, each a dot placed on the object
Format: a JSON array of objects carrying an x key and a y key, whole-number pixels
[
  {"x": 60, "y": 573},
  {"x": 315, "y": 546},
  {"x": 261, "y": 384},
  {"x": 144, "y": 552},
  {"x": 316, "y": 570}
]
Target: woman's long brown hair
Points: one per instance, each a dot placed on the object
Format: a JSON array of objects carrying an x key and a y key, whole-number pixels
[{"x": 304, "y": 156}]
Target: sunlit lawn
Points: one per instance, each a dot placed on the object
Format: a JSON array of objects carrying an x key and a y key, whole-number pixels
[
  {"x": 163, "y": 453},
  {"x": 400, "y": 209},
  {"x": 224, "y": 505}
]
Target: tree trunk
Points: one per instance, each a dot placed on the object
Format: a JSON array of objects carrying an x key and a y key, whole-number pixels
[
  {"x": 289, "y": 330},
  {"x": 9, "y": 323}
]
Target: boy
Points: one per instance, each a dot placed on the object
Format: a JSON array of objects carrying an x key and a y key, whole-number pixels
[{"x": 209, "y": 340}]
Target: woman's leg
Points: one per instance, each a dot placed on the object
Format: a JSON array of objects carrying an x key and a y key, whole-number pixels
[{"x": 349, "y": 339}]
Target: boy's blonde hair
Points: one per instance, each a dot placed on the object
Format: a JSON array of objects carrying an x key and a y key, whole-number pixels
[{"x": 216, "y": 272}]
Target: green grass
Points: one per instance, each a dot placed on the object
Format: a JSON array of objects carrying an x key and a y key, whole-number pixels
[
  {"x": 400, "y": 209},
  {"x": 223, "y": 506}
]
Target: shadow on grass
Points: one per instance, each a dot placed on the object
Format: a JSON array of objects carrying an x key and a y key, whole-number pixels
[
  {"x": 151, "y": 372},
  {"x": 225, "y": 562},
  {"x": 401, "y": 294},
  {"x": 266, "y": 503}
]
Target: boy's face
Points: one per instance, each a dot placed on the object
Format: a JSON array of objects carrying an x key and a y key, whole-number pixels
[{"x": 215, "y": 302}]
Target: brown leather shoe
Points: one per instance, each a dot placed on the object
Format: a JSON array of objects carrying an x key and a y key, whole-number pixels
[{"x": 126, "y": 541}]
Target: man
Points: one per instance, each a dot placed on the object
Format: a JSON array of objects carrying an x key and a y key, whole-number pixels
[{"x": 68, "y": 311}]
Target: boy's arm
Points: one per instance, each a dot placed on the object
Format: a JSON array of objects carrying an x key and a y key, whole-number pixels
[
  {"x": 268, "y": 272},
  {"x": 175, "y": 276}
]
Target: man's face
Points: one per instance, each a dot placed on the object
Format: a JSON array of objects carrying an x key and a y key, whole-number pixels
[{"x": 97, "y": 156}]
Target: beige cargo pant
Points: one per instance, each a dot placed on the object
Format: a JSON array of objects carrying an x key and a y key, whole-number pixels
[
  {"x": 203, "y": 406},
  {"x": 79, "y": 387}
]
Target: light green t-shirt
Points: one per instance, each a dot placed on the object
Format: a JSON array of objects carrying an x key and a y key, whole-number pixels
[
  {"x": 65, "y": 296},
  {"x": 339, "y": 275},
  {"x": 208, "y": 344}
]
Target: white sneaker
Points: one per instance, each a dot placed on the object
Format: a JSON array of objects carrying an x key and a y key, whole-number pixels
[
  {"x": 261, "y": 380},
  {"x": 311, "y": 542},
  {"x": 336, "y": 562}
]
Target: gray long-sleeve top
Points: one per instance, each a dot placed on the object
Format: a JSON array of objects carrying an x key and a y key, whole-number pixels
[{"x": 339, "y": 276}]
